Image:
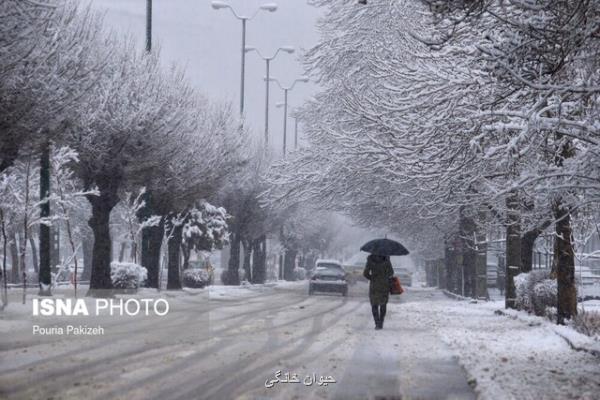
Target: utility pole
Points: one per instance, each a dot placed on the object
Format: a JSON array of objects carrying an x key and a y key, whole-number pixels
[
  {"x": 243, "y": 68},
  {"x": 218, "y": 5},
  {"x": 148, "y": 25},
  {"x": 285, "y": 107},
  {"x": 286, "y": 89},
  {"x": 287, "y": 49}
]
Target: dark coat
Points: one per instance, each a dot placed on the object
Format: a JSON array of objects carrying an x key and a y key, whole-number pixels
[{"x": 378, "y": 271}]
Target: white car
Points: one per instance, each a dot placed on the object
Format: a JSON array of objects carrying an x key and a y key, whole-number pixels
[{"x": 328, "y": 276}]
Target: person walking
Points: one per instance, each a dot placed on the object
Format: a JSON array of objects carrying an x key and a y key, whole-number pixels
[{"x": 378, "y": 272}]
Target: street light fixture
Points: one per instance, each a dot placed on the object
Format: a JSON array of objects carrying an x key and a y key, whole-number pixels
[
  {"x": 287, "y": 49},
  {"x": 219, "y": 5},
  {"x": 286, "y": 89}
]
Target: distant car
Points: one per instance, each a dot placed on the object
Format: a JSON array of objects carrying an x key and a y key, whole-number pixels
[
  {"x": 404, "y": 275},
  {"x": 328, "y": 276}
]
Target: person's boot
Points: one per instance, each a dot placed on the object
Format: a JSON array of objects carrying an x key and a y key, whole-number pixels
[
  {"x": 382, "y": 312},
  {"x": 375, "y": 310}
]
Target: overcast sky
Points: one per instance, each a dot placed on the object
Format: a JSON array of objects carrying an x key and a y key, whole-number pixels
[{"x": 208, "y": 44}]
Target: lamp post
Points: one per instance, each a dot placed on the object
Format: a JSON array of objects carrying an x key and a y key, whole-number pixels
[
  {"x": 148, "y": 25},
  {"x": 281, "y": 104},
  {"x": 286, "y": 89},
  {"x": 287, "y": 49},
  {"x": 295, "y": 133},
  {"x": 218, "y": 5}
]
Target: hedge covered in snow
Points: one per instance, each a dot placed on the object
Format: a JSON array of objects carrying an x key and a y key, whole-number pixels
[
  {"x": 127, "y": 275},
  {"x": 196, "y": 278},
  {"x": 536, "y": 291}
]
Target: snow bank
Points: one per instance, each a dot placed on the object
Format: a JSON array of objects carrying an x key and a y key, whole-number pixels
[{"x": 520, "y": 357}]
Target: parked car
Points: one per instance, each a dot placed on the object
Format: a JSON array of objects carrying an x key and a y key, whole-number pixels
[
  {"x": 328, "y": 276},
  {"x": 404, "y": 275}
]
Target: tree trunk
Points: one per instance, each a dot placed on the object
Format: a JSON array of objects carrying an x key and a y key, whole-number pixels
[
  {"x": 14, "y": 258},
  {"x": 454, "y": 265},
  {"x": 481, "y": 268},
  {"x": 280, "y": 265},
  {"x": 100, "y": 280},
  {"x": 187, "y": 252},
  {"x": 247, "y": 257},
  {"x": 528, "y": 244},
  {"x": 564, "y": 257},
  {"x": 441, "y": 278},
  {"x": 133, "y": 256},
  {"x": 87, "y": 247},
  {"x": 174, "y": 259},
  {"x": 22, "y": 256},
  {"x": 513, "y": 248},
  {"x": 234, "y": 261},
  {"x": 122, "y": 249},
  {"x": 34, "y": 254},
  {"x": 45, "y": 276},
  {"x": 256, "y": 260},
  {"x": 469, "y": 255},
  {"x": 4, "y": 256},
  {"x": 152, "y": 238},
  {"x": 259, "y": 262},
  {"x": 448, "y": 264},
  {"x": 289, "y": 264}
]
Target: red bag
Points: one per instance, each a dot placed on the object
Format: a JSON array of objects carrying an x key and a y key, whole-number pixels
[{"x": 396, "y": 286}]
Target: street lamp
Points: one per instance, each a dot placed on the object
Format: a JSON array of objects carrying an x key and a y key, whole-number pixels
[
  {"x": 287, "y": 49},
  {"x": 286, "y": 89},
  {"x": 219, "y": 5},
  {"x": 281, "y": 104}
]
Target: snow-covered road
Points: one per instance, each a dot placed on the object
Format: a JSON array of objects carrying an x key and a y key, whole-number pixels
[{"x": 229, "y": 343}]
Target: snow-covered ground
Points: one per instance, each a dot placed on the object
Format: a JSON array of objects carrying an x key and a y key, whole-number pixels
[
  {"x": 232, "y": 342},
  {"x": 512, "y": 355}
]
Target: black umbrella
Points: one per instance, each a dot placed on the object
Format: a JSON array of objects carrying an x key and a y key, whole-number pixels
[{"x": 384, "y": 247}]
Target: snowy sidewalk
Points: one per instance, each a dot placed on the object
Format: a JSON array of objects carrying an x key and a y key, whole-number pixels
[{"x": 510, "y": 358}]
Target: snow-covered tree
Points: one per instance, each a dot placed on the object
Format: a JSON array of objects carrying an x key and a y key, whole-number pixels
[
  {"x": 485, "y": 112},
  {"x": 251, "y": 221},
  {"x": 46, "y": 65},
  {"x": 205, "y": 229},
  {"x": 209, "y": 151},
  {"x": 543, "y": 62}
]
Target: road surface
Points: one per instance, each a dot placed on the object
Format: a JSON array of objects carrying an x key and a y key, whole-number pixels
[{"x": 223, "y": 346}]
